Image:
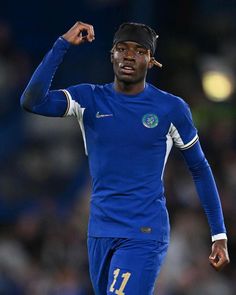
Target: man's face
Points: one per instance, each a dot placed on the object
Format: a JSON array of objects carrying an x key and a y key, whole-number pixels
[{"x": 130, "y": 62}]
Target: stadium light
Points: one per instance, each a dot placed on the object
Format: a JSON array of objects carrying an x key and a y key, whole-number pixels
[{"x": 217, "y": 80}]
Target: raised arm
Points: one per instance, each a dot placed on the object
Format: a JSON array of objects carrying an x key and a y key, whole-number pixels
[{"x": 37, "y": 97}]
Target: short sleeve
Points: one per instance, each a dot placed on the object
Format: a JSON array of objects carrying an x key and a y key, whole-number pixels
[{"x": 182, "y": 129}]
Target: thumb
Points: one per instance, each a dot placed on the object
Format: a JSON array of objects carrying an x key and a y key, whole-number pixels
[{"x": 213, "y": 254}]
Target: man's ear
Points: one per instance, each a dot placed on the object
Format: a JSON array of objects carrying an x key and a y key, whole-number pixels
[
  {"x": 112, "y": 57},
  {"x": 151, "y": 63},
  {"x": 112, "y": 54},
  {"x": 154, "y": 62}
]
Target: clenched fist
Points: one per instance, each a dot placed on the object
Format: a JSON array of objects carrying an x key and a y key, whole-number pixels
[
  {"x": 80, "y": 33},
  {"x": 219, "y": 257}
]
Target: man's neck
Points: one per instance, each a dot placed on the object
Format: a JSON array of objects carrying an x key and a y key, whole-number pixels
[{"x": 129, "y": 88}]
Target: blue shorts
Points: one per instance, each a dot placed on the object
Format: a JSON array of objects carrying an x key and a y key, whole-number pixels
[{"x": 124, "y": 266}]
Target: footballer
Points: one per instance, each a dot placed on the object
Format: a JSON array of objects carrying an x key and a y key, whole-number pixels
[{"x": 129, "y": 127}]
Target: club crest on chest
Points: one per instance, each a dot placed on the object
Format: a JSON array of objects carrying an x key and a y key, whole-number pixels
[{"x": 150, "y": 120}]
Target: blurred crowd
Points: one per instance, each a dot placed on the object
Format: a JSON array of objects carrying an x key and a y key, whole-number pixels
[{"x": 44, "y": 179}]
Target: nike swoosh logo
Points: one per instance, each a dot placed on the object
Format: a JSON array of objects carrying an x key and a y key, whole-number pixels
[{"x": 98, "y": 115}]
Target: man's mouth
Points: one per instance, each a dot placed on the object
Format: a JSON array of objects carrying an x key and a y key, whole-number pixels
[{"x": 127, "y": 69}]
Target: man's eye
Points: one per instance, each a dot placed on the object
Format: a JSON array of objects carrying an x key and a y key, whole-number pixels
[
  {"x": 141, "y": 52},
  {"x": 120, "y": 49}
]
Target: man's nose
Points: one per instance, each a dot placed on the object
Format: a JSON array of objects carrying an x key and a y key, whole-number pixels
[{"x": 130, "y": 54}]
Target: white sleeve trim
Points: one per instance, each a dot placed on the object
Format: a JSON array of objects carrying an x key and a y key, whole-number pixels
[
  {"x": 75, "y": 109},
  {"x": 189, "y": 144},
  {"x": 178, "y": 140},
  {"x": 217, "y": 237},
  {"x": 169, "y": 144}
]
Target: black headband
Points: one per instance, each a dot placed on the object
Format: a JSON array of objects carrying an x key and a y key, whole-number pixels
[{"x": 139, "y": 33}]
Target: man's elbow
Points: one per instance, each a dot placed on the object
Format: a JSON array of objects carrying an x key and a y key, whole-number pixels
[
  {"x": 32, "y": 96},
  {"x": 24, "y": 104},
  {"x": 25, "y": 100},
  {"x": 199, "y": 168}
]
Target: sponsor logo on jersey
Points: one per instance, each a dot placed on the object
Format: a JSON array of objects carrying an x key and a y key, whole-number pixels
[
  {"x": 98, "y": 115},
  {"x": 146, "y": 229},
  {"x": 150, "y": 120}
]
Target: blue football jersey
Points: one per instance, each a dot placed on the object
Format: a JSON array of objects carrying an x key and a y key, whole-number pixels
[{"x": 128, "y": 139}]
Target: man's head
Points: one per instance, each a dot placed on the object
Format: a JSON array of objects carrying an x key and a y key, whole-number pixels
[
  {"x": 134, "y": 45},
  {"x": 138, "y": 33}
]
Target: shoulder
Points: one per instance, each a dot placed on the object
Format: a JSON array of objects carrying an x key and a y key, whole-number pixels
[
  {"x": 87, "y": 88},
  {"x": 84, "y": 91},
  {"x": 86, "y": 94},
  {"x": 173, "y": 101}
]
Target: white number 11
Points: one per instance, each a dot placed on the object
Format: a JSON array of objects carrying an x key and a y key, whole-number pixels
[{"x": 125, "y": 277}]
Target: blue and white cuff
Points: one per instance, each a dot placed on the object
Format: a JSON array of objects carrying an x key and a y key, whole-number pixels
[{"x": 217, "y": 237}]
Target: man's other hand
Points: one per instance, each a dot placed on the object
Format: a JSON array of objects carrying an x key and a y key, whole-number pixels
[{"x": 219, "y": 257}]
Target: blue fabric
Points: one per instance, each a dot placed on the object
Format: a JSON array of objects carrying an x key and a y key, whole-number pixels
[
  {"x": 127, "y": 159},
  {"x": 206, "y": 187},
  {"x": 128, "y": 138},
  {"x": 37, "y": 98},
  {"x": 112, "y": 260}
]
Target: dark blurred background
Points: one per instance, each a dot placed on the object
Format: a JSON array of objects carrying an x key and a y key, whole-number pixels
[{"x": 44, "y": 182}]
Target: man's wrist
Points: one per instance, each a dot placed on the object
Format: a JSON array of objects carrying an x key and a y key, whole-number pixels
[
  {"x": 221, "y": 236},
  {"x": 64, "y": 41}
]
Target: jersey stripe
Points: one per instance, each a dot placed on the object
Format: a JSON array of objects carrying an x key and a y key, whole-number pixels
[
  {"x": 75, "y": 109},
  {"x": 169, "y": 144},
  {"x": 81, "y": 123},
  {"x": 178, "y": 140},
  {"x": 190, "y": 144},
  {"x": 68, "y": 102}
]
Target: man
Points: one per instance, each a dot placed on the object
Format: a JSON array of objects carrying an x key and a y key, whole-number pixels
[{"x": 128, "y": 128}]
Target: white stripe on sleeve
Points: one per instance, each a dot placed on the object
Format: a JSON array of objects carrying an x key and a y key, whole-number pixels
[
  {"x": 178, "y": 140},
  {"x": 169, "y": 144},
  {"x": 75, "y": 109}
]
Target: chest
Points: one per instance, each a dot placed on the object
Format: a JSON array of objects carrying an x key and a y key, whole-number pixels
[{"x": 116, "y": 122}]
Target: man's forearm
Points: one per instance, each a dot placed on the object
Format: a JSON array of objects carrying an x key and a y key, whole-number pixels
[
  {"x": 36, "y": 91},
  {"x": 206, "y": 188}
]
